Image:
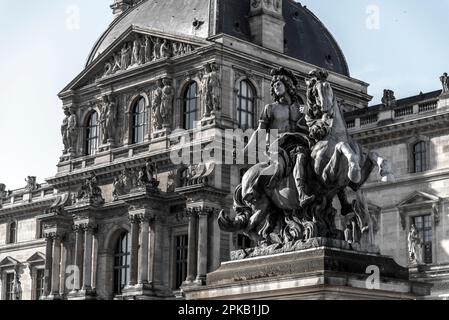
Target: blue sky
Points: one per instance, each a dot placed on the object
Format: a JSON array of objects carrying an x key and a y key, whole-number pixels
[{"x": 45, "y": 44}]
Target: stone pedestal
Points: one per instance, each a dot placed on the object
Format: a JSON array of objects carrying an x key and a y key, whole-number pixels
[{"x": 319, "y": 273}]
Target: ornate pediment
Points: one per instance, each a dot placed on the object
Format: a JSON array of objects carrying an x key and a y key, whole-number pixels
[
  {"x": 37, "y": 258},
  {"x": 136, "y": 48},
  {"x": 419, "y": 200},
  {"x": 9, "y": 262}
]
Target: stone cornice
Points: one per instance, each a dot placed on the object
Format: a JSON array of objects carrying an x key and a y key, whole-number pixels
[
  {"x": 374, "y": 135},
  {"x": 33, "y": 244},
  {"x": 24, "y": 209}
]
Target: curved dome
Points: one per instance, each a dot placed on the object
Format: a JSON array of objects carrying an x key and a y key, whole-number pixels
[{"x": 306, "y": 37}]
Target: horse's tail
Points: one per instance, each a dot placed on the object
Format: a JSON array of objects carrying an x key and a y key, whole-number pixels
[{"x": 241, "y": 220}]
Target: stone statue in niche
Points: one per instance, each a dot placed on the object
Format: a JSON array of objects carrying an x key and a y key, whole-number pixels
[
  {"x": 69, "y": 130},
  {"x": 289, "y": 198},
  {"x": 167, "y": 99},
  {"x": 388, "y": 99},
  {"x": 64, "y": 127},
  {"x": 415, "y": 246},
  {"x": 156, "y": 105},
  {"x": 210, "y": 90},
  {"x": 125, "y": 57},
  {"x": 108, "y": 118},
  {"x": 90, "y": 192},
  {"x": 445, "y": 82}
]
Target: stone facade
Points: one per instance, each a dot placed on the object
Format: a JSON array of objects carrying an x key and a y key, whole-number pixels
[{"x": 116, "y": 183}]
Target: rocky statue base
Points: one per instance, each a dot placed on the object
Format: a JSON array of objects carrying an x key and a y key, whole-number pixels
[{"x": 317, "y": 273}]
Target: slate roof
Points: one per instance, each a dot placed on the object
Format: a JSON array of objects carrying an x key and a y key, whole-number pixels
[{"x": 307, "y": 39}]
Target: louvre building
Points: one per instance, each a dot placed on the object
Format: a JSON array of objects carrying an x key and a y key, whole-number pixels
[{"x": 121, "y": 220}]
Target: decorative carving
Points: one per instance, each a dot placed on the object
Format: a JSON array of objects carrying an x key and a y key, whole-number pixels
[
  {"x": 90, "y": 192},
  {"x": 145, "y": 178},
  {"x": 122, "y": 184},
  {"x": 210, "y": 90},
  {"x": 156, "y": 105},
  {"x": 3, "y": 192},
  {"x": 415, "y": 246},
  {"x": 108, "y": 118},
  {"x": 32, "y": 184},
  {"x": 167, "y": 99},
  {"x": 317, "y": 158},
  {"x": 197, "y": 174},
  {"x": 388, "y": 99},
  {"x": 445, "y": 82},
  {"x": 69, "y": 130},
  {"x": 141, "y": 50}
]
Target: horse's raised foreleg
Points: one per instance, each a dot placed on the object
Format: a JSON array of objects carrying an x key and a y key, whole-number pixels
[
  {"x": 384, "y": 165},
  {"x": 345, "y": 150}
]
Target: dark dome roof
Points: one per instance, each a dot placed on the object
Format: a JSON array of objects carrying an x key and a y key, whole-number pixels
[{"x": 306, "y": 37}]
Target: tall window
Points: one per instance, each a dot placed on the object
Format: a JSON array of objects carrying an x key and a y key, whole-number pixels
[
  {"x": 190, "y": 103},
  {"x": 10, "y": 286},
  {"x": 92, "y": 134},
  {"x": 423, "y": 225},
  {"x": 122, "y": 256},
  {"x": 140, "y": 121},
  {"x": 182, "y": 249},
  {"x": 39, "y": 290},
  {"x": 245, "y": 107},
  {"x": 420, "y": 156},
  {"x": 12, "y": 232}
]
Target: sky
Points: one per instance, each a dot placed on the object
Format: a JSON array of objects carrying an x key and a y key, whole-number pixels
[{"x": 395, "y": 44}]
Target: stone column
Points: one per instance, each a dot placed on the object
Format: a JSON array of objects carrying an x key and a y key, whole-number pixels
[
  {"x": 79, "y": 245},
  {"x": 156, "y": 252},
  {"x": 88, "y": 241},
  {"x": 48, "y": 265},
  {"x": 193, "y": 247},
  {"x": 56, "y": 266},
  {"x": 202, "y": 246},
  {"x": 145, "y": 239},
  {"x": 134, "y": 251}
]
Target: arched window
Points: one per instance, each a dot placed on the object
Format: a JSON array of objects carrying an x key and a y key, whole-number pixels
[
  {"x": 12, "y": 232},
  {"x": 420, "y": 156},
  {"x": 190, "y": 106},
  {"x": 246, "y": 105},
  {"x": 92, "y": 134},
  {"x": 140, "y": 121},
  {"x": 122, "y": 255}
]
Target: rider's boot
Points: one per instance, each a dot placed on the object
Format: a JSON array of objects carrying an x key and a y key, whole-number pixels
[
  {"x": 354, "y": 172},
  {"x": 304, "y": 198}
]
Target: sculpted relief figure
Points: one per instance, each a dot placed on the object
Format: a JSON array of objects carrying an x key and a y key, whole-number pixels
[
  {"x": 445, "y": 82},
  {"x": 136, "y": 52},
  {"x": 125, "y": 57},
  {"x": 388, "y": 99},
  {"x": 289, "y": 198},
  {"x": 210, "y": 90},
  {"x": 415, "y": 244},
  {"x": 107, "y": 119},
  {"x": 148, "y": 49},
  {"x": 90, "y": 191},
  {"x": 156, "y": 48},
  {"x": 167, "y": 99},
  {"x": 31, "y": 183},
  {"x": 3, "y": 192},
  {"x": 69, "y": 130},
  {"x": 156, "y": 105}
]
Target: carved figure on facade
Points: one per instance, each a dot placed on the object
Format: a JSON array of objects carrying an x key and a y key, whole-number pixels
[
  {"x": 290, "y": 197},
  {"x": 3, "y": 192},
  {"x": 108, "y": 118},
  {"x": 122, "y": 184},
  {"x": 69, "y": 130},
  {"x": 388, "y": 99},
  {"x": 147, "y": 178},
  {"x": 210, "y": 89},
  {"x": 156, "y": 105},
  {"x": 141, "y": 50},
  {"x": 90, "y": 191},
  {"x": 167, "y": 99},
  {"x": 172, "y": 181},
  {"x": 415, "y": 246},
  {"x": 445, "y": 82},
  {"x": 32, "y": 184}
]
